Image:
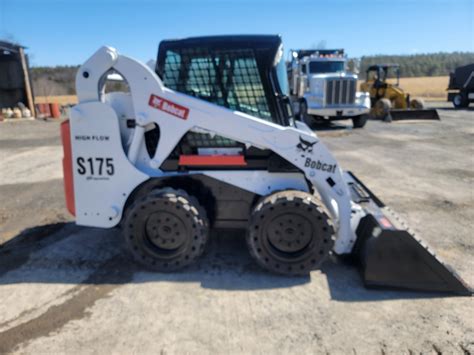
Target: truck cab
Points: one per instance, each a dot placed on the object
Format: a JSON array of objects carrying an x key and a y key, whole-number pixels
[{"x": 322, "y": 88}]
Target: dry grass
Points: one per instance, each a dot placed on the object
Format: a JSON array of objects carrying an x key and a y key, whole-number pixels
[
  {"x": 431, "y": 88},
  {"x": 428, "y": 87},
  {"x": 61, "y": 99}
]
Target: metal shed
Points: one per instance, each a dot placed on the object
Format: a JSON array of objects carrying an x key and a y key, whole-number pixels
[{"x": 15, "y": 82}]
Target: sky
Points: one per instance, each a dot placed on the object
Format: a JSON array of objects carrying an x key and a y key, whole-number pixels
[{"x": 60, "y": 32}]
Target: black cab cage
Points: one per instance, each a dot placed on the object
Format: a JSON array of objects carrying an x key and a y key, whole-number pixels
[
  {"x": 383, "y": 72},
  {"x": 241, "y": 73}
]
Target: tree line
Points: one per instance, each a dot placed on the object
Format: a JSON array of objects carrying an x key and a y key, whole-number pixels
[
  {"x": 433, "y": 64},
  {"x": 60, "y": 80},
  {"x": 52, "y": 81}
]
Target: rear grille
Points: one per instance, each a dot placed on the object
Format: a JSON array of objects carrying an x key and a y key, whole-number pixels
[{"x": 340, "y": 91}]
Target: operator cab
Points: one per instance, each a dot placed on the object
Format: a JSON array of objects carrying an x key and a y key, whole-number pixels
[
  {"x": 245, "y": 73},
  {"x": 380, "y": 73}
]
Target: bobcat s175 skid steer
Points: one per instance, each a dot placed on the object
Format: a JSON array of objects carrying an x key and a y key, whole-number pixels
[{"x": 166, "y": 166}]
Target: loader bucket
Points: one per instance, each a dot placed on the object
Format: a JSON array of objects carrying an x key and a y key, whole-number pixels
[
  {"x": 411, "y": 114},
  {"x": 390, "y": 255}
]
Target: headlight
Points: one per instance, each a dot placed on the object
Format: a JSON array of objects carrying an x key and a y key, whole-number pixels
[{"x": 363, "y": 99}]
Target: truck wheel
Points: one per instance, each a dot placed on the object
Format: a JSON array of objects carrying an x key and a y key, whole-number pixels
[
  {"x": 381, "y": 109},
  {"x": 304, "y": 116},
  {"x": 290, "y": 232},
  {"x": 417, "y": 104},
  {"x": 166, "y": 230},
  {"x": 359, "y": 121},
  {"x": 460, "y": 101}
]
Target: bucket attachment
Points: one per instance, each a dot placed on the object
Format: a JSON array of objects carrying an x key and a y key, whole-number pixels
[
  {"x": 392, "y": 256},
  {"x": 425, "y": 114}
]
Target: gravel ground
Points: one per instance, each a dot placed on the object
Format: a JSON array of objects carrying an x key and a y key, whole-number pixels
[{"x": 71, "y": 289}]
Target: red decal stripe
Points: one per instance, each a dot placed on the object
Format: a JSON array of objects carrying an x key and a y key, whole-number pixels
[
  {"x": 385, "y": 222},
  {"x": 67, "y": 167},
  {"x": 168, "y": 107},
  {"x": 207, "y": 160}
]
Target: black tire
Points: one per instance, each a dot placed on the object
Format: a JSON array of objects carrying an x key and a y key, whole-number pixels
[
  {"x": 166, "y": 230},
  {"x": 460, "y": 101},
  {"x": 359, "y": 121},
  {"x": 417, "y": 104},
  {"x": 381, "y": 109},
  {"x": 290, "y": 233}
]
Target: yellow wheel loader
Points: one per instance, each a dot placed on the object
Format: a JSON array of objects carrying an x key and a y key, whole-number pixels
[{"x": 388, "y": 100}]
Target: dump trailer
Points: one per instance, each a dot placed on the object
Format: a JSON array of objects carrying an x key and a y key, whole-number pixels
[
  {"x": 461, "y": 86},
  {"x": 167, "y": 166},
  {"x": 388, "y": 100}
]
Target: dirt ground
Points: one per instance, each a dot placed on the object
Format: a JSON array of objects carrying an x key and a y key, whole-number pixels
[{"x": 70, "y": 289}]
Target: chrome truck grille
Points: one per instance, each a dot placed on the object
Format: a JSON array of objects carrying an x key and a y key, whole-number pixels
[{"x": 340, "y": 91}]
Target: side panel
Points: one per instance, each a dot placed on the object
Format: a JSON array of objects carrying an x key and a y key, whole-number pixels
[
  {"x": 103, "y": 176},
  {"x": 261, "y": 182}
]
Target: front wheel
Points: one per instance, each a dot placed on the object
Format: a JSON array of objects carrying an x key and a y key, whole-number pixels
[
  {"x": 381, "y": 109},
  {"x": 304, "y": 116},
  {"x": 290, "y": 232},
  {"x": 359, "y": 121}
]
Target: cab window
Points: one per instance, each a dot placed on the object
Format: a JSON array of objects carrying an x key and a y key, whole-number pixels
[{"x": 229, "y": 78}]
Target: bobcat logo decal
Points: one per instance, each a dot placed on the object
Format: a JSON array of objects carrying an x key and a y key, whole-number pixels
[{"x": 305, "y": 146}]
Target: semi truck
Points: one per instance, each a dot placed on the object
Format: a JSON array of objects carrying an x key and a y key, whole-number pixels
[{"x": 322, "y": 88}]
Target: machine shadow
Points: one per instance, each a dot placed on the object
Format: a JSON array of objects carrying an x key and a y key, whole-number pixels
[
  {"x": 68, "y": 254},
  {"x": 332, "y": 126},
  {"x": 345, "y": 284}
]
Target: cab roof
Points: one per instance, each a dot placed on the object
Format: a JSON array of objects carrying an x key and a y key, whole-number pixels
[{"x": 227, "y": 41}]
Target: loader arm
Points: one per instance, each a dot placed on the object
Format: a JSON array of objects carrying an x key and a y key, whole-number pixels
[{"x": 176, "y": 114}]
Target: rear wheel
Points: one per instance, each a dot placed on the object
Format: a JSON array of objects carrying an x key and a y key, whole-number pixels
[
  {"x": 359, "y": 121},
  {"x": 417, "y": 104},
  {"x": 290, "y": 233},
  {"x": 166, "y": 229},
  {"x": 460, "y": 101}
]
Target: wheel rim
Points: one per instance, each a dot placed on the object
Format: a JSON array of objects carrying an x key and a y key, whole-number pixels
[
  {"x": 165, "y": 231},
  {"x": 289, "y": 233},
  {"x": 457, "y": 100}
]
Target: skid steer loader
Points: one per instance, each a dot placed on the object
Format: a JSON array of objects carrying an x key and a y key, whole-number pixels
[
  {"x": 166, "y": 167},
  {"x": 388, "y": 100}
]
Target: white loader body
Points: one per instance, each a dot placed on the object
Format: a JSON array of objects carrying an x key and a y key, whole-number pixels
[
  {"x": 101, "y": 194},
  {"x": 112, "y": 178}
]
